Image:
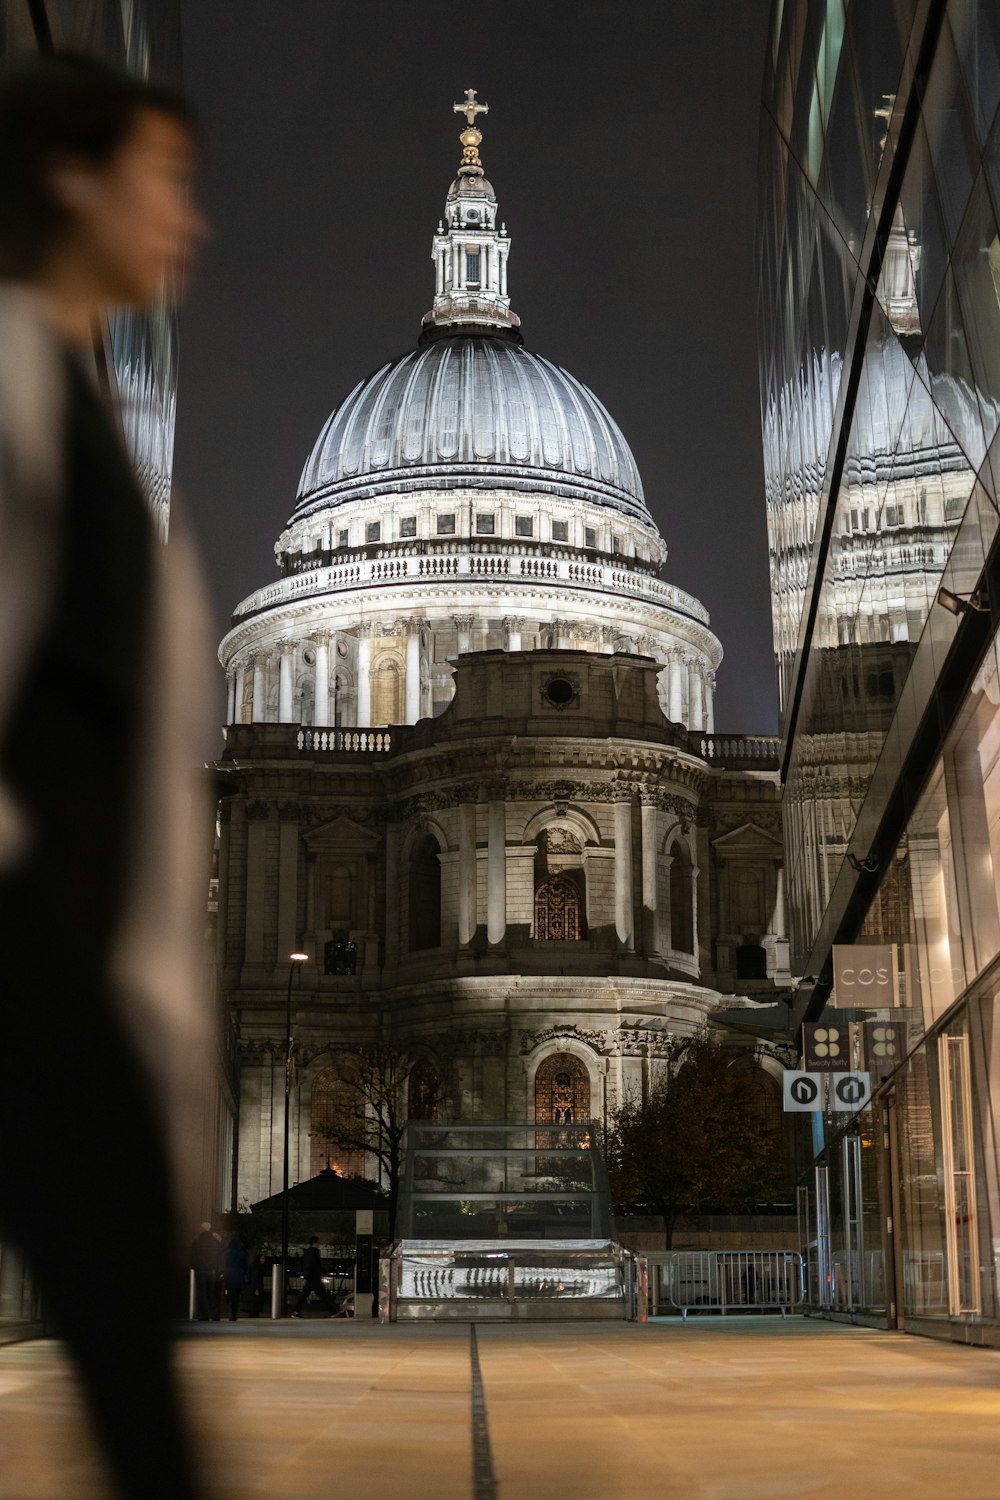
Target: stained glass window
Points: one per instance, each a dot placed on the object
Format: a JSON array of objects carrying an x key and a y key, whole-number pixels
[{"x": 562, "y": 1091}]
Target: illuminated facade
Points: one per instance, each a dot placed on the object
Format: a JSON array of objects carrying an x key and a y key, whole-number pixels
[
  {"x": 879, "y": 317},
  {"x": 478, "y": 778}
]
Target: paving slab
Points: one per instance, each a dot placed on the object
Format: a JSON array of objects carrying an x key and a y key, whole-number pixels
[{"x": 734, "y": 1409}]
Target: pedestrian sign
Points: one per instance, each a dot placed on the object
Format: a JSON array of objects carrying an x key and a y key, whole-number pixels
[
  {"x": 850, "y": 1091},
  {"x": 803, "y": 1092}
]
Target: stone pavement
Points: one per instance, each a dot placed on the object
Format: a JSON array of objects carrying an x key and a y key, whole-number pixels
[{"x": 722, "y": 1409}]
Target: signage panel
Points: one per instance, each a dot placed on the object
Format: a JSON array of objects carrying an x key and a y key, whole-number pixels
[
  {"x": 827, "y": 1048},
  {"x": 885, "y": 1046},
  {"x": 803, "y": 1092},
  {"x": 864, "y": 974},
  {"x": 850, "y": 1092}
]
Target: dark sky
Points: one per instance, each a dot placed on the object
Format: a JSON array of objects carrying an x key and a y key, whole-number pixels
[{"x": 622, "y": 143}]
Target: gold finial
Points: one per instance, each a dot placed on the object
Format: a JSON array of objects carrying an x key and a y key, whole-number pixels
[{"x": 471, "y": 137}]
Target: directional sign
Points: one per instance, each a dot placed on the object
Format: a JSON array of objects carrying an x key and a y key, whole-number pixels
[
  {"x": 803, "y": 1092},
  {"x": 850, "y": 1091},
  {"x": 826, "y": 1048}
]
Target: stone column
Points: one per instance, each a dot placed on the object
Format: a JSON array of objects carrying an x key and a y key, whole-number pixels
[
  {"x": 512, "y": 632},
  {"x": 285, "y": 684},
  {"x": 496, "y": 873},
  {"x": 466, "y": 873},
  {"x": 564, "y": 634},
  {"x": 695, "y": 717},
  {"x": 257, "y": 824},
  {"x": 241, "y": 674},
  {"x": 710, "y": 703},
  {"x": 623, "y": 875},
  {"x": 321, "y": 694},
  {"x": 649, "y": 821},
  {"x": 230, "y": 697},
  {"x": 364, "y": 713},
  {"x": 608, "y": 640},
  {"x": 259, "y": 708},
  {"x": 676, "y": 709},
  {"x": 463, "y": 624},
  {"x": 413, "y": 672}
]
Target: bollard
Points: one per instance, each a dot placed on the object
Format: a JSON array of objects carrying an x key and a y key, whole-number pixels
[
  {"x": 192, "y": 1297},
  {"x": 277, "y": 1284}
]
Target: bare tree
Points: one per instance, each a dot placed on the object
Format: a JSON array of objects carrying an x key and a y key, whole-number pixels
[{"x": 385, "y": 1086}]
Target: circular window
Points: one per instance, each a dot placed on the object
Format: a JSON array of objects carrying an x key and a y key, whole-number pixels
[
  {"x": 473, "y": 213},
  {"x": 560, "y": 692}
]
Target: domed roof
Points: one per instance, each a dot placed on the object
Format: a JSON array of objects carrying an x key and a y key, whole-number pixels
[{"x": 471, "y": 410}]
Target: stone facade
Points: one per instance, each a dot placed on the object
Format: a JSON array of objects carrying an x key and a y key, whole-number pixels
[{"x": 430, "y": 849}]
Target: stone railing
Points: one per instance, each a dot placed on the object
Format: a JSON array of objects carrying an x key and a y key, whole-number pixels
[
  {"x": 363, "y": 741},
  {"x": 528, "y": 568},
  {"x": 738, "y": 752}
]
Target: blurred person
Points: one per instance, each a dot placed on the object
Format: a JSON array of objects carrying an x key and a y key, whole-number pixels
[
  {"x": 103, "y": 1057},
  {"x": 258, "y": 1271},
  {"x": 312, "y": 1280},
  {"x": 235, "y": 1274},
  {"x": 206, "y": 1263}
]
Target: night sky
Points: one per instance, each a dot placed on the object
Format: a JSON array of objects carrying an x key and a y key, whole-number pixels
[{"x": 622, "y": 144}]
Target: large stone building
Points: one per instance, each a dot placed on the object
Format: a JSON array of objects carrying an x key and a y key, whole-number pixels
[{"x": 478, "y": 777}]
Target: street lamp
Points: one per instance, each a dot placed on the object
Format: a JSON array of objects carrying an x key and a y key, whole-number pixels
[{"x": 294, "y": 960}]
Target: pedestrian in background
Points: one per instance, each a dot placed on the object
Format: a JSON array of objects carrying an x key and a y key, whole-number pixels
[
  {"x": 206, "y": 1263},
  {"x": 312, "y": 1280},
  {"x": 235, "y": 1274},
  {"x": 102, "y": 695}
]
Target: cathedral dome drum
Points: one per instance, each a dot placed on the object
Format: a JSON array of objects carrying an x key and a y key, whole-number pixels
[{"x": 463, "y": 409}]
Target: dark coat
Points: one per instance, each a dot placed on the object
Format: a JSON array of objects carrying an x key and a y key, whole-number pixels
[
  {"x": 236, "y": 1267},
  {"x": 312, "y": 1266},
  {"x": 206, "y": 1254}
]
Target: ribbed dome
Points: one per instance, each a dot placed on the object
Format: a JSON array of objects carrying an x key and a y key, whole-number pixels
[{"x": 471, "y": 410}]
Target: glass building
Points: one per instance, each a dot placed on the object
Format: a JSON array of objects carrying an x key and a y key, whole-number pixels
[
  {"x": 879, "y": 322},
  {"x": 137, "y": 356}
]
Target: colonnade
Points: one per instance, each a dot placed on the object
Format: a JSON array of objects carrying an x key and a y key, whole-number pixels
[{"x": 688, "y": 696}]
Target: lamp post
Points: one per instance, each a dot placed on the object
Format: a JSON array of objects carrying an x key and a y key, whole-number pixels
[{"x": 294, "y": 960}]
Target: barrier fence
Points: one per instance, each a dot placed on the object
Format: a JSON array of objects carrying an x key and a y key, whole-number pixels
[{"x": 725, "y": 1281}]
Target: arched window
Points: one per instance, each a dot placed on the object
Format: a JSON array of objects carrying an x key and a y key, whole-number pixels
[
  {"x": 424, "y": 905},
  {"x": 557, "y": 910},
  {"x": 424, "y": 1091},
  {"x": 331, "y": 1096},
  {"x": 766, "y": 1100},
  {"x": 681, "y": 900},
  {"x": 562, "y": 1091}
]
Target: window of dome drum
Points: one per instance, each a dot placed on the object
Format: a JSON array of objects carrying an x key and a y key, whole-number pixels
[
  {"x": 408, "y": 526},
  {"x": 485, "y": 525},
  {"x": 557, "y": 911},
  {"x": 446, "y": 525},
  {"x": 373, "y": 531},
  {"x": 560, "y": 531},
  {"x": 472, "y": 267},
  {"x": 589, "y": 536},
  {"x": 342, "y": 538},
  {"x": 560, "y": 692},
  {"x": 523, "y": 526}
]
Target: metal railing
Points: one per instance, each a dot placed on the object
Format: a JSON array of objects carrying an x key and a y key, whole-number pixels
[{"x": 726, "y": 1281}]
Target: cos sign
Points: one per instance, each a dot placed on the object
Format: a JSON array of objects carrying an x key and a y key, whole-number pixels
[{"x": 865, "y": 975}]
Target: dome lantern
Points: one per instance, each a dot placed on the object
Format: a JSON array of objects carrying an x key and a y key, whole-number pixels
[{"x": 469, "y": 251}]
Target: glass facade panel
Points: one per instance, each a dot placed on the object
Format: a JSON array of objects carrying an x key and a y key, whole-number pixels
[{"x": 882, "y": 461}]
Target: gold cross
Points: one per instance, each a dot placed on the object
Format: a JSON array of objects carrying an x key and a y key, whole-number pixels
[{"x": 471, "y": 108}]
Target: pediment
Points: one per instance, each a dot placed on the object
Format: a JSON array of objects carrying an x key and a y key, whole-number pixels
[
  {"x": 342, "y": 835},
  {"x": 747, "y": 841}
]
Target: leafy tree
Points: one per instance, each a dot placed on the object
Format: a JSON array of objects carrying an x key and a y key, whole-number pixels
[
  {"x": 372, "y": 1110},
  {"x": 696, "y": 1143}
]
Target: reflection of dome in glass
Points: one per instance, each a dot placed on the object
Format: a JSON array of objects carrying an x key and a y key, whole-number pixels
[{"x": 463, "y": 407}]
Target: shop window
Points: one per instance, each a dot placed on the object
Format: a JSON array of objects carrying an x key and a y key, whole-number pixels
[
  {"x": 424, "y": 905},
  {"x": 558, "y": 916}
]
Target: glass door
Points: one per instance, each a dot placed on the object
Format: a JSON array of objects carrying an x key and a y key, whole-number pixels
[{"x": 961, "y": 1234}]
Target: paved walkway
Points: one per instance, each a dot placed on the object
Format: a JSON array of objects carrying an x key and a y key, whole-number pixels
[{"x": 734, "y": 1409}]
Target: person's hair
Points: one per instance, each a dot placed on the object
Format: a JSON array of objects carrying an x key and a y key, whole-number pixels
[{"x": 54, "y": 108}]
